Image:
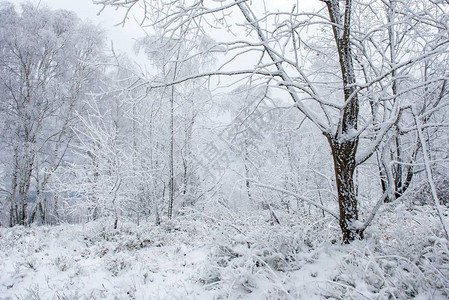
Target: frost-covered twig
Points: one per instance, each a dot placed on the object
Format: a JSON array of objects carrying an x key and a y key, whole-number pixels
[
  {"x": 375, "y": 210},
  {"x": 429, "y": 176},
  {"x": 332, "y": 213},
  {"x": 348, "y": 287},
  {"x": 216, "y": 220}
]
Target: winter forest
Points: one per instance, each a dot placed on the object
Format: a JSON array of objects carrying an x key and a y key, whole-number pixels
[{"x": 245, "y": 149}]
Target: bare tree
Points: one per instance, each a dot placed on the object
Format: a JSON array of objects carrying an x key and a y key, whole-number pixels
[{"x": 171, "y": 58}]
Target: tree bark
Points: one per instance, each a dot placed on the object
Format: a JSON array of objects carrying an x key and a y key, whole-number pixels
[
  {"x": 344, "y": 143},
  {"x": 344, "y": 165}
]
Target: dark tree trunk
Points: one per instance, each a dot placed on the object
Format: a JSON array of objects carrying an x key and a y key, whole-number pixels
[
  {"x": 344, "y": 142},
  {"x": 13, "y": 213},
  {"x": 402, "y": 175},
  {"x": 344, "y": 164}
]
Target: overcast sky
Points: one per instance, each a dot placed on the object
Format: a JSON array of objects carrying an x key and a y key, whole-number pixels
[{"x": 122, "y": 37}]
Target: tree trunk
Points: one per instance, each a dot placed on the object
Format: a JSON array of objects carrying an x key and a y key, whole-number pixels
[
  {"x": 344, "y": 164},
  {"x": 344, "y": 143},
  {"x": 171, "y": 183},
  {"x": 171, "y": 191},
  {"x": 13, "y": 213}
]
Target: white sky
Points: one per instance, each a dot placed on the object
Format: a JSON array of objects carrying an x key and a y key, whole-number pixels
[{"x": 122, "y": 37}]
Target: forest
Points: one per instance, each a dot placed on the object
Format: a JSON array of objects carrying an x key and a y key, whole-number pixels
[{"x": 285, "y": 149}]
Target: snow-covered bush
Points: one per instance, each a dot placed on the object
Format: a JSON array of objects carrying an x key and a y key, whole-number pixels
[
  {"x": 422, "y": 195},
  {"x": 261, "y": 258},
  {"x": 403, "y": 258}
]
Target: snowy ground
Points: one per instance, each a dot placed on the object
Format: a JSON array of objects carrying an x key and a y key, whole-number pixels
[{"x": 226, "y": 256}]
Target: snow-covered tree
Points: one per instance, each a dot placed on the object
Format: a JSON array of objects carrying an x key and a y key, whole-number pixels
[{"x": 47, "y": 60}]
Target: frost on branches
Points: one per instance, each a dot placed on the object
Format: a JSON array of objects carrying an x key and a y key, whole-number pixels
[{"x": 350, "y": 71}]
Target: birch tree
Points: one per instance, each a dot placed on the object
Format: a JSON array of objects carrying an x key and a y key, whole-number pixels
[{"x": 46, "y": 63}]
